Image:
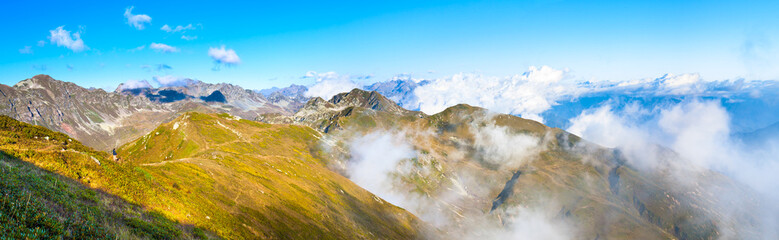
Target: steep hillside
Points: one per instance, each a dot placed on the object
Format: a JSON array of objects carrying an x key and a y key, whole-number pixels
[
  {"x": 244, "y": 179},
  {"x": 198, "y": 174},
  {"x": 477, "y": 174},
  {"x": 42, "y": 197}
]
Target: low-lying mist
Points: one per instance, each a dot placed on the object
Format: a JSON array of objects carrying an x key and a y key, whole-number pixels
[{"x": 699, "y": 132}]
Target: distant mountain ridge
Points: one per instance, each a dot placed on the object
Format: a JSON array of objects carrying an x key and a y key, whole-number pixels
[{"x": 105, "y": 120}]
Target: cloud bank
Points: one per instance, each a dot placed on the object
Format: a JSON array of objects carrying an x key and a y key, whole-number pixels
[
  {"x": 329, "y": 84},
  {"x": 698, "y": 134}
]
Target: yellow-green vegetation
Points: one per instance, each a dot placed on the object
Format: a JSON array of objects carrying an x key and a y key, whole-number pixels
[
  {"x": 41, "y": 200},
  {"x": 243, "y": 179},
  {"x": 201, "y": 175}
]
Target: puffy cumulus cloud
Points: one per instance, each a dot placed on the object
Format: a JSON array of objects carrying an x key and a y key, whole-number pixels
[
  {"x": 64, "y": 38},
  {"x": 668, "y": 84},
  {"x": 224, "y": 56},
  {"x": 172, "y": 81},
  {"x": 329, "y": 84},
  {"x": 133, "y": 84},
  {"x": 138, "y": 21},
  {"x": 527, "y": 95},
  {"x": 164, "y": 48}
]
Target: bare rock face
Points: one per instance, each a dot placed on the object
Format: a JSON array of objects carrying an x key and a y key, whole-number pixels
[
  {"x": 324, "y": 115},
  {"x": 105, "y": 120},
  {"x": 234, "y": 99},
  {"x": 292, "y": 97}
]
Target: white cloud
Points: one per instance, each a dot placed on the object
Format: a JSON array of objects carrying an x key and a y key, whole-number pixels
[
  {"x": 374, "y": 157},
  {"x": 223, "y": 55},
  {"x": 188, "y": 38},
  {"x": 698, "y": 131},
  {"x": 133, "y": 84},
  {"x": 526, "y": 95},
  {"x": 64, "y": 38},
  {"x": 26, "y": 50},
  {"x": 380, "y": 160},
  {"x": 178, "y": 28},
  {"x": 159, "y": 47},
  {"x": 137, "y": 21},
  {"x": 329, "y": 84},
  {"x": 41, "y": 43},
  {"x": 504, "y": 148}
]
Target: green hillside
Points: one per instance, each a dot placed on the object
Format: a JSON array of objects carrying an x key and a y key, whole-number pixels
[
  {"x": 208, "y": 173},
  {"x": 41, "y": 199}
]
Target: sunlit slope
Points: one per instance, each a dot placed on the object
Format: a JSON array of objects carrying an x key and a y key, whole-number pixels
[
  {"x": 42, "y": 182},
  {"x": 244, "y": 179},
  {"x": 593, "y": 189}
]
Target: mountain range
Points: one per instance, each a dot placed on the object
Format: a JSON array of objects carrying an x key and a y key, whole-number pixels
[{"x": 203, "y": 160}]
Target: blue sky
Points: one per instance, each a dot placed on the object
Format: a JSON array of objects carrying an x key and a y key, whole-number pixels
[{"x": 278, "y": 42}]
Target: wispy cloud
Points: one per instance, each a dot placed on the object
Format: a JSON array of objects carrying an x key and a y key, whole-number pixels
[
  {"x": 26, "y": 50},
  {"x": 188, "y": 38},
  {"x": 64, "y": 38},
  {"x": 137, "y": 21},
  {"x": 156, "y": 67},
  {"x": 223, "y": 56},
  {"x": 178, "y": 28},
  {"x": 164, "y": 48},
  {"x": 139, "y": 48},
  {"x": 41, "y": 43},
  {"x": 172, "y": 81},
  {"x": 41, "y": 67}
]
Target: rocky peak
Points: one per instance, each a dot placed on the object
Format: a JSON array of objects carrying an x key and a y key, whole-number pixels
[{"x": 366, "y": 99}]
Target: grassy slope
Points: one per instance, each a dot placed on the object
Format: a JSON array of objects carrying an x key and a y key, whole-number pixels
[
  {"x": 235, "y": 178},
  {"x": 244, "y": 179},
  {"x": 40, "y": 204}
]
